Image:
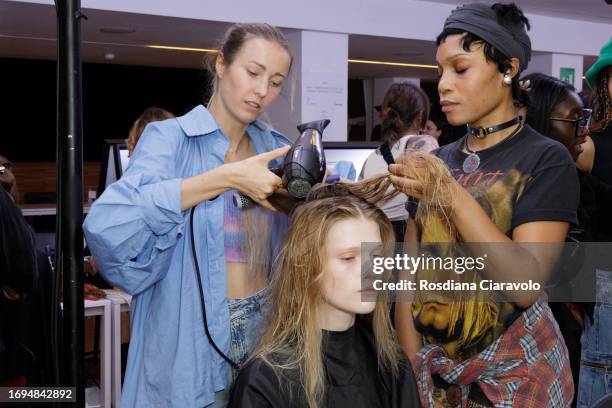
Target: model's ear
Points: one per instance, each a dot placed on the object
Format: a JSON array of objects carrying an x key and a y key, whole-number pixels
[
  {"x": 513, "y": 68},
  {"x": 220, "y": 65}
]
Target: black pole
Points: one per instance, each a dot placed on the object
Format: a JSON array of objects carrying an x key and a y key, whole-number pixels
[{"x": 69, "y": 235}]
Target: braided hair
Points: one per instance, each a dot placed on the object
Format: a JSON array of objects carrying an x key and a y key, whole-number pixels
[{"x": 602, "y": 100}]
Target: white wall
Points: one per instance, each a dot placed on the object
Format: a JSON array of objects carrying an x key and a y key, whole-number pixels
[
  {"x": 539, "y": 63},
  {"x": 569, "y": 61},
  {"x": 320, "y": 81},
  {"x": 551, "y": 64},
  {"x": 325, "y": 81}
]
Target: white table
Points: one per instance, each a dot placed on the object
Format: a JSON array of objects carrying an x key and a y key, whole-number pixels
[
  {"x": 29, "y": 210},
  {"x": 120, "y": 302},
  {"x": 102, "y": 308}
]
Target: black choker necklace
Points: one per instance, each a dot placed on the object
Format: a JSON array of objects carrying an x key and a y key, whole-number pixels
[
  {"x": 481, "y": 133},
  {"x": 472, "y": 162}
]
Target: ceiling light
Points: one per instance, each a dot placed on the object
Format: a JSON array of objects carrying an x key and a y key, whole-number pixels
[
  {"x": 167, "y": 47},
  {"x": 393, "y": 64},
  {"x": 109, "y": 56}
]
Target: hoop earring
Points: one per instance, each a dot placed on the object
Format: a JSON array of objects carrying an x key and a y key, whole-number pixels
[{"x": 507, "y": 80}]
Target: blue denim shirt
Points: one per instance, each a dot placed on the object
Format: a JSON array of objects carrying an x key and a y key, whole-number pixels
[{"x": 140, "y": 240}]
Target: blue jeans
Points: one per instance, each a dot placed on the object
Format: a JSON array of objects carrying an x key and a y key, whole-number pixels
[
  {"x": 246, "y": 325},
  {"x": 246, "y": 328},
  {"x": 596, "y": 361}
]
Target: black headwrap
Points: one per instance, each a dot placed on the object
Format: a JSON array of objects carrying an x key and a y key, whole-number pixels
[{"x": 481, "y": 20}]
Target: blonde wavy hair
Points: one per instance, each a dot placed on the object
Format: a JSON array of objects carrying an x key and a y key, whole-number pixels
[{"x": 292, "y": 340}]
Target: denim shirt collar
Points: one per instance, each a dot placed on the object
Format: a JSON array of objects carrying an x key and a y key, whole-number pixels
[{"x": 200, "y": 122}]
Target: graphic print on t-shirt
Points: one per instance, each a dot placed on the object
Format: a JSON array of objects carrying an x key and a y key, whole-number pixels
[
  {"x": 529, "y": 174},
  {"x": 464, "y": 326}
]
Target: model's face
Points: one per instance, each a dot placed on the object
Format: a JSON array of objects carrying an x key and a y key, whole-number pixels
[
  {"x": 341, "y": 284},
  {"x": 569, "y": 108},
  {"x": 470, "y": 87},
  {"x": 253, "y": 80}
]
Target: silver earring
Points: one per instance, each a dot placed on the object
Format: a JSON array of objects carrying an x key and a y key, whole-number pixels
[{"x": 507, "y": 80}]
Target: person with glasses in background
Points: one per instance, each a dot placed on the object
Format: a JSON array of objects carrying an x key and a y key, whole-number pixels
[{"x": 556, "y": 110}]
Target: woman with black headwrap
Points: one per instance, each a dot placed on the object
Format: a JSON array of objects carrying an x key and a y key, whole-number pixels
[{"x": 508, "y": 184}]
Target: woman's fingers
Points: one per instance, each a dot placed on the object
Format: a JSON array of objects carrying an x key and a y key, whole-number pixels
[
  {"x": 266, "y": 204},
  {"x": 399, "y": 170},
  {"x": 406, "y": 186},
  {"x": 267, "y": 157}
]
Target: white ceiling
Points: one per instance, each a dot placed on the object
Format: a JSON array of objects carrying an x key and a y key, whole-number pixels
[
  {"x": 588, "y": 10},
  {"x": 28, "y": 31}
]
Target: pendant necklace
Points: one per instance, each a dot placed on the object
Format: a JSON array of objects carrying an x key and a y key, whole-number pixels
[{"x": 472, "y": 162}]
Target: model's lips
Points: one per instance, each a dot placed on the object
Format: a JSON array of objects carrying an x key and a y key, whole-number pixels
[
  {"x": 253, "y": 105},
  {"x": 447, "y": 105},
  {"x": 368, "y": 292}
]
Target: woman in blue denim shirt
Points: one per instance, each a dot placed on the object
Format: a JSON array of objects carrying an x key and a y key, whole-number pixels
[{"x": 139, "y": 230}]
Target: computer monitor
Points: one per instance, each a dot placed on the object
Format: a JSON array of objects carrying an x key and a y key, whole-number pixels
[
  {"x": 114, "y": 162},
  {"x": 356, "y": 152}
]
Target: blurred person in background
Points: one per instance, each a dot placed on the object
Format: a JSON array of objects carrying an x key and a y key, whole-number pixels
[
  {"x": 556, "y": 110},
  {"x": 596, "y": 357},
  {"x": 432, "y": 129},
  {"x": 25, "y": 279},
  {"x": 152, "y": 114},
  {"x": 405, "y": 110}
]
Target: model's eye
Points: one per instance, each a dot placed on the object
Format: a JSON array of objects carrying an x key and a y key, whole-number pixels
[
  {"x": 347, "y": 258},
  {"x": 460, "y": 70}
]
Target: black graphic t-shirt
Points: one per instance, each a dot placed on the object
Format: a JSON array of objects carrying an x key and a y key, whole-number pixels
[{"x": 523, "y": 179}]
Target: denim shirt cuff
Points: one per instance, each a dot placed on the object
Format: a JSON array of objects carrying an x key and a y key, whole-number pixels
[{"x": 162, "y": 208}]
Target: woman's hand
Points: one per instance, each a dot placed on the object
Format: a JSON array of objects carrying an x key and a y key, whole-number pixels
[
  {"x": 405, "y": 182},
  {"x": 249, "y": 176},
  {"x": 422, "y": 176},
  {"x": 253, "y": 178},
  {"x": 585, "y": 160}
]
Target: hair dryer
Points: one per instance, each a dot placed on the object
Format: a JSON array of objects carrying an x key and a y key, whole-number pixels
[{"x": 303, "y": 166}]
